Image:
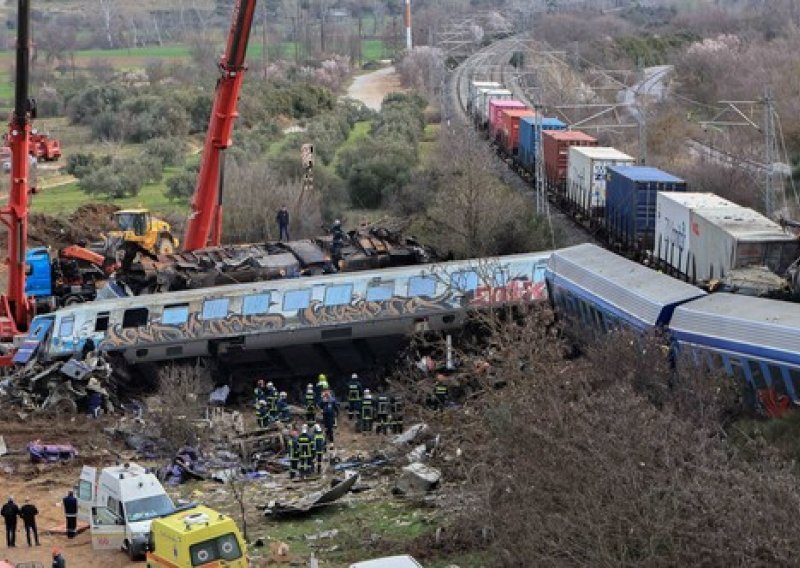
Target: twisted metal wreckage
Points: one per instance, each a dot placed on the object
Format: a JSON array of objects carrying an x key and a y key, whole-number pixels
[{"x": 63, "y": 386}]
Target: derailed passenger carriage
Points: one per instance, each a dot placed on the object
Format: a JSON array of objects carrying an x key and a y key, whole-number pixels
[
  {"x": 754, "y": 340},
  {"x": 605, "y": 291},
  {"x": 227, "y": 321}
]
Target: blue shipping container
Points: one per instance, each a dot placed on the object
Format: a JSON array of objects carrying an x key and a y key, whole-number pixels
[
  {"x": 631, "y": 202},
  {"x": 527, "y": 140}
]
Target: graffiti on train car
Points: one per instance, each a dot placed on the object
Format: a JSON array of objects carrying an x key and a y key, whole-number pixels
[
  {"x": 360, "y": 309},
  {"x": 234, "y": 324},
  {"x": 517, "y": 290},
  {"x": 194, "y": 327}
]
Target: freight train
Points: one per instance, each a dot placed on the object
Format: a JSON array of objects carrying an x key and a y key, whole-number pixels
[{"x": 642, "y": 212}]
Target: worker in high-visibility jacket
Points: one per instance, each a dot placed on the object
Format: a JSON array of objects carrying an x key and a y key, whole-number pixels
[
  {"x": 397, "y": 414},
  {"x": 294, "y": 454},
  {"x": 306, "y": 445},
  {"x": 440, "y": 392},
  {"x": 284, "y": 411},
  {"x": 354, "y": 395},
  {"x": 260, "y": 392},
  {"x": 319, "y": 446},
  {"x": 320, "y": 387},
  {"x": 382, "y": 411},
  {"x": 262, "y": 414},
  {"x": 271, "y": 396},
  {"x": 311, "y": 405},
  {"x": 367, "y": 412}
]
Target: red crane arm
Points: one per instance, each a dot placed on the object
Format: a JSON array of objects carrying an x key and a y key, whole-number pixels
[
  {"x": 16, "y": 310},
  {"x": 205, "y": 220}
]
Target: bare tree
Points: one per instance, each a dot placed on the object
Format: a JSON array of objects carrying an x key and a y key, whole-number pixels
[{"x": 238, "y": 487}]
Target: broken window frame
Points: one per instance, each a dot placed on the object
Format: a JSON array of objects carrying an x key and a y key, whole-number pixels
[
  {"x": 255, "y": 304},
  {"x": 338, "y": 295},
  {"x": 68, "y": 322},
  {"x": 415, "y": 284},
  {"x": 215, "y": 308},
  {"x": 294, "y": 300},
  {"x": 175, "y": 314}
]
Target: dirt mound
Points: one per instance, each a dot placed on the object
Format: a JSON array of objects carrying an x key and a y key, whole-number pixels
[{"x": 84, "y": 224}]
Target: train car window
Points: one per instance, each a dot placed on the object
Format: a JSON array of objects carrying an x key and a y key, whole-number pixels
[
  {"x": 255, "y": 304},
  {"x": 296, "y": 300},
  {"x": 101, "y": 321},
  {"x": 338, "y": 295},
  {"x": 539, "y": 270},
  {"x": 135, "y": 317},
  {"x": 380, "y": 292},
  {"x": 215, "y": 309},
  {"x": 66, "y": 327},
  {"x": 175, "y": 315},
  {"x": 421, "y": 286},
  {"x": 464, "y": 281},
  {"x": 500, "y": 277}
]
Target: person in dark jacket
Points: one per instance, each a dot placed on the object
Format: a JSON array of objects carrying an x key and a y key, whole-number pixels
[
  {"x": 330, "y": 410},
  {"x": 71, "y": 514},
  {"x": 58, "y": 559},
  {"x": 283, "y": 223},
  {"x": 10, "y": 512},
  {"x": 28, "y": 513}
]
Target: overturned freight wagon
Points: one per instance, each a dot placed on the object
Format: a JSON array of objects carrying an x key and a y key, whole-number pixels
[{"x": 704, "y": 238}]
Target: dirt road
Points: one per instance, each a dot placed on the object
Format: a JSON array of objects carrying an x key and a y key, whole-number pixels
[{"x": 370, "y": 88}]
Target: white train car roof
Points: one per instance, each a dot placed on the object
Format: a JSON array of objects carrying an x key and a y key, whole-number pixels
[
  {"x": 761, "y": 327},
  {"x": 629, "y": 289}
]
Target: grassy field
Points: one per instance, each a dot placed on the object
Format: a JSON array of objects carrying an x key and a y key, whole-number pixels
[{"x": 64, "y": 199}]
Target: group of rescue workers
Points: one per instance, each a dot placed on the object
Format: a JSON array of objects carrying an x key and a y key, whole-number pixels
[{"x": 307, "y": 446}]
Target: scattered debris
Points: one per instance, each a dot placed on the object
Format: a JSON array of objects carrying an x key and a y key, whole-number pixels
[
  {"x": 418, "y": 454},
  {"x": 3, "y": 447},
  {"x": 313, "y": 500},
  {"x": 321, "y": 535},
  {"x": 51, "y": 453},
  {"x": 411, "y": 435},
  {"x": 417, "y": 478}
]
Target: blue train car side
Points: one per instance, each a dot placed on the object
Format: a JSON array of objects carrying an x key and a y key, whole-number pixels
[
  {"x": 606, "y": 291},
  {"x": 526, "y": 155},
  {"x": 752, "y": 339}
]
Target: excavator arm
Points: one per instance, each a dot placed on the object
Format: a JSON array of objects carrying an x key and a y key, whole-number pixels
[{"x": 205, "y": 220}]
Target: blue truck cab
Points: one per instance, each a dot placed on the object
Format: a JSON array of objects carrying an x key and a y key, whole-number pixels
[{"x": 39, "y": 279}]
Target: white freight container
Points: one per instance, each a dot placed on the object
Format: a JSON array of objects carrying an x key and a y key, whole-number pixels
[
  {"x": 704, "y": 236},
  {"x": 474, "y": 86},
  {"x": 483, "y": 98},
  {"x": 586, "y": 176}
]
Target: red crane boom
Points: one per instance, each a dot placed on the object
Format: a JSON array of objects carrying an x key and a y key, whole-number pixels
[
  {"x": 16, "y": 310},
  {"x": 204, "y": 227}
]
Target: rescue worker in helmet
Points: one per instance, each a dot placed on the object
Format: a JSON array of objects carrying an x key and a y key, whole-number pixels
[
  {"x": 284, "y": 412},
  {"x": 306, "y": 445},
  {"x": 319, "y": 446},
  {"x": 272, "y": 401},
  {"x": 338, "y": 242},
  {"x": 262, "y": 414},
  {"x": 310, "y": 404},
  {"x": 367, "y": 412},
  {"x": 294, "y": 454},
  {"x": 320, "y": 387},
  {"x": 354, "y": 394},
  {"x": 260, "y": 392}
]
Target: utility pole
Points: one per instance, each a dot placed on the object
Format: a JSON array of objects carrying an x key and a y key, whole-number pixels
[
  {"x": 642, "y": 112},
  {"x": 771, "y": 147},
  {"x": 409, "y": 43}
]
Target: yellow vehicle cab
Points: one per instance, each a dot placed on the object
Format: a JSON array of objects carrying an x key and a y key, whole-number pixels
[
  {"x": 196, "y": 537},
  {"x": 149, "y": 232}
]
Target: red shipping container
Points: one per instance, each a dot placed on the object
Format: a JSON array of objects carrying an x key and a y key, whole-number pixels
[
  {"x": 509, "y": 127},
  {"x": 555, "y": 148},
  {"x": 495, "y": 106}
]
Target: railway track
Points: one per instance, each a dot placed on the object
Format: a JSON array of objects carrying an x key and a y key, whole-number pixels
[{"x": 490, "y": 64}]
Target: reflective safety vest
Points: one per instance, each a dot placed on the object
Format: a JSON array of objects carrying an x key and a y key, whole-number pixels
[
  {"x": 294, "y": 449},
  {"x": 383, "y": 405},
  {"x": 259, "y": 394},
  {"x": 354, "y": 391},
  {"x": 366, "y": 408},
  {"x": 311, "y": 401},
  {"x": 397, "y": 407},
  {"x": 319, "y": 442},
  {"x": 440, "y": 390},
  {"x": 272, "y": 399},
  {"x": 304, "y": 442}
]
